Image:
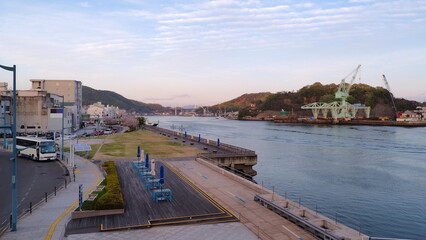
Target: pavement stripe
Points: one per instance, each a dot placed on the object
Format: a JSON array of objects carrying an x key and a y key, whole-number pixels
[
  {"x": 54, "y": 224},
  {"x": 291, "y": 232}
]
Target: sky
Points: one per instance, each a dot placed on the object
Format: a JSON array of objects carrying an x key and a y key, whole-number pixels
[{"x": 178, "y": 53}]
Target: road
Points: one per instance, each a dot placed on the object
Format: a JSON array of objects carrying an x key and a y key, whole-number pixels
[{"x": 34, "y": 179}]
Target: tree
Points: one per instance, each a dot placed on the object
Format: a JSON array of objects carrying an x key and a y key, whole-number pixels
[
  {"x": 141, "y": 121},
  {"x": 130, "y": 121}
]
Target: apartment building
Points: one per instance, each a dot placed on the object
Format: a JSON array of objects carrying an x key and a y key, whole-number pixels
[{"x": 72, "y": 92}]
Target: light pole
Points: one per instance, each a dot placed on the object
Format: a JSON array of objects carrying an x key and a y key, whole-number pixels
[
  {"x": 14, "y": 165},
  {"x": 62, "y": 131}
]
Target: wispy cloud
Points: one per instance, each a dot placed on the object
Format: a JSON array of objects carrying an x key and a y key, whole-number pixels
[
  {"x": 84, "y": 4},
  {"x": 181, "y": 37}
]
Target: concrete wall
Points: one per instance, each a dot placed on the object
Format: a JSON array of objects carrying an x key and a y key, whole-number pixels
[
  {"x": 72, "y": 92},
  {"x": 34, "y": 113}
]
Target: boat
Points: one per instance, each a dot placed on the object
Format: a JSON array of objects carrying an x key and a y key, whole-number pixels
[{"x": 153, "y": 124}]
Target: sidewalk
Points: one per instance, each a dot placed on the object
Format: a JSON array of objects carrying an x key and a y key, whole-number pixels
[{"x": 49, "y": 220}]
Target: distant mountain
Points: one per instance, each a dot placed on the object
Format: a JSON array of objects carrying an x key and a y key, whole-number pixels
[
  {"x": 91, "y": 96},
  {"x": 242, "y": 101}
]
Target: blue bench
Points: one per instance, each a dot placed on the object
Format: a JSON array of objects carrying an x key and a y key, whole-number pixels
[
  {"x": 137, "y": 164},
  {"x": 152, "y": 184},
  {"x": 162, "y": 194},
  {"x": 142, "y": 169},
  {"x": 145, "y": 176}
]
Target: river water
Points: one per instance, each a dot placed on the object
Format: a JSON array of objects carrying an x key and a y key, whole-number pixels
[{"x": 371, "y": 178}]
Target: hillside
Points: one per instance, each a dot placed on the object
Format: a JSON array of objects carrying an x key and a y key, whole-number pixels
[
  {"x": 242, "y": 101},
  {"x": 377, "y": 98},
  {"x": 91, "y": 96}
]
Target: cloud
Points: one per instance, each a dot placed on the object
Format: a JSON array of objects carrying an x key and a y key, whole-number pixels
[
  {"x": 362, "y": 1},
  {"x": 84, "y": 4}
]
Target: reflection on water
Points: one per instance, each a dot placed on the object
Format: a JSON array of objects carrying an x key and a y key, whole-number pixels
[{"x": 374, "y": 177}]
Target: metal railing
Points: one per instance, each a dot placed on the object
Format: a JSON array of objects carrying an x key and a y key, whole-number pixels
[
  {"x": 298, "y": 220},
  {"x": 253, "y": 227},
  {"x": 224, "y": 146},
  {"x": 5, "y": 223}
]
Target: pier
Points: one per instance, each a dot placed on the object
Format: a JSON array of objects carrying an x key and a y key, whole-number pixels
[{"x": 236, "y": 159}]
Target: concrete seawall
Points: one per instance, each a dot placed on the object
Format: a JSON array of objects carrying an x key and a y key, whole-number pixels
[
  {"x": 311, "y": 221},
  {"x": 236, "y": 159}
]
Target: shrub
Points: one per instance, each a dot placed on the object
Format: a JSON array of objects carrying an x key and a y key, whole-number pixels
[
  {"x": 109, "y": 201},
  {"x": 112, "y": 199}
]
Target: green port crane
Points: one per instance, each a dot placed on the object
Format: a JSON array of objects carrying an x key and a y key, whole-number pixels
[
  {"x": 391, "y": 95},
  {"x": 344, "y": 88}
]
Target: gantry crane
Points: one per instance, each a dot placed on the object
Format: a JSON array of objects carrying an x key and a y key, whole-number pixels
[
  {"x": 340, "y": 109},
  {"x": 391, "y": 95},
  {"x": 344, "y": 88}
]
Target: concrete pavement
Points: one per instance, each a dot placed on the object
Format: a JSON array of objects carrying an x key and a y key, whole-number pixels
[
  {"x": 222, "y": 231},
  {"x": 239, "y": 199},
  {"x": 49, "y": 220}
]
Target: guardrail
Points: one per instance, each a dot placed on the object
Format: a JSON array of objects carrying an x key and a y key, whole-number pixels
[
  {"x": 224, "y": 146},
  {"x": 317, "y": 231}
]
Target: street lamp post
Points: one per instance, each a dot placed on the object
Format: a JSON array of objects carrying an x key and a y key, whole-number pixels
[
  {"x": 14, "y": 165},
  {"x": 62, "y": 131}
]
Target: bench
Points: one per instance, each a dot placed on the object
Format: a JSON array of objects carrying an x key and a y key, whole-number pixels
[
  {"x": 152, "y": 184},
  {"x": 162, "y": 194}
]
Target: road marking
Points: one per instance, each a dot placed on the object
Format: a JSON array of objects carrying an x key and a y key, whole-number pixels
[
  {"x": 77, "y": 171},
  {"x": 54, "y": 224},
  {"x": 237, "y": 197},
  {"x": 298, "y": 237}
]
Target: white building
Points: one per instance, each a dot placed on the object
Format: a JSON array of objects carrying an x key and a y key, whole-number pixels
[{"x": 99, "y": 111}]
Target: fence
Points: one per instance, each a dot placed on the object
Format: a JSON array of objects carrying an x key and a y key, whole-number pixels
[{"x": 5, "y": 223}]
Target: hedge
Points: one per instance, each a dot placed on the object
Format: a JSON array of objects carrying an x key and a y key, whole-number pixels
[{"x": 112, "y": 199}]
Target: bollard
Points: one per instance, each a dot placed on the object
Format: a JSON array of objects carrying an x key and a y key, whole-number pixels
[
  {"x": 31, "y": 207},
  {"x": 273, "y": 192},
  {"x": 45, "y": 196},
  {"x": 359, "y": 227},
  {"x": 65, "y": 183},
  {"x": 336, "y": 218},
  {"x": 55, "y": 190},
  {"x": 299, "y": 201}
]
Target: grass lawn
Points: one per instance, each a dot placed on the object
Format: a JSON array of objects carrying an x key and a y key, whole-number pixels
[{"x": 125, "y": 146}]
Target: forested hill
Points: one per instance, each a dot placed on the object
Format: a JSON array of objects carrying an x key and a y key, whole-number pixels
[
  {"x": 377, "y": 98},
  {"x": 242, "y": 101},
  {"x": 91, "y": 96}
]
